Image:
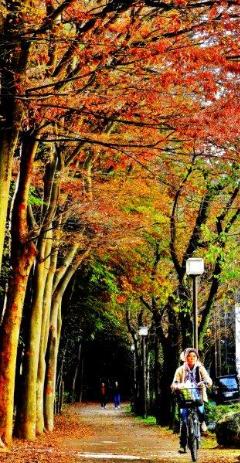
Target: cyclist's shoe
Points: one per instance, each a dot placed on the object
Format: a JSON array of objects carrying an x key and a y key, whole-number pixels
[
  {"x": 204, "y": 427},
  {"x": 182, "y": 450}
]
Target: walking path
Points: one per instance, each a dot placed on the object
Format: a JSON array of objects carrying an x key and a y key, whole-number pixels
[
  {"x": 117, "y": 436},
  {"x": 89, "y": 434}
]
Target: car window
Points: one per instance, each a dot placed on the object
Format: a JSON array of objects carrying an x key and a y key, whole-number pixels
[{"x": 229, "y": 383}]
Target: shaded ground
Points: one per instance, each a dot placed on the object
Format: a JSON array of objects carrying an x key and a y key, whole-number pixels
[{"x": 87, "y": 433}]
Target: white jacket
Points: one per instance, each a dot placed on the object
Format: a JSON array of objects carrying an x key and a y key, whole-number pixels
[{"x": 181, "y": 373}]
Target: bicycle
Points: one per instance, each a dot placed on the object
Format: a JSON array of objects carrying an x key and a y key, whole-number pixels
[{"x": 190, "y": 398}]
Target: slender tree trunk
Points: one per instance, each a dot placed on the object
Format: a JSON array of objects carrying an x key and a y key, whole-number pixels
[
  {"x": 54, "y": 337},
  {"x": 61, "y": 396},
  {"x": 139, "y": 381},
  {"x": 28, "y": 413},
  {"x": 26, "y": 421},
  {"x": 60, "y": 383},
  {"x": 51, "y": 369},
  {"x": 170, "y": 363},
  {"x": 61, "y": 271},
  {"x": 157, "y": 377},
  {"x": 23, "y": 253},
  {"x": 171, "y": 344},
  {"x": 6, "y": 157},
  {"x": 44, "y": 341},
  {"x": 80, "y": 392},
  {"x": 76, "y": 373}
]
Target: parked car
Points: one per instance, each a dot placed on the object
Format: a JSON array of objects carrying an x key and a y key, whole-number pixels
[{"x": 226, "y": 389}]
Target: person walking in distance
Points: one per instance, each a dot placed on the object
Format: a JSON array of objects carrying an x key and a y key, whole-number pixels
[
  {"x": 116, "y": 395},
  {"x": 103, "y": 395}
]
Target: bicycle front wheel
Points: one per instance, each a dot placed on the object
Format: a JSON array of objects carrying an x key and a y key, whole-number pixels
[{"x": 193, "y": 447}]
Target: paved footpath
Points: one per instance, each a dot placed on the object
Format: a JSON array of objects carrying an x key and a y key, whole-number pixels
[{"x": 118, "y": 437}]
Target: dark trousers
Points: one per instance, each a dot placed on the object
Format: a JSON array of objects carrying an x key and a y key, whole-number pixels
[
  {"x": 116, "y": 399},
  {"x": 103, "y": 401}
]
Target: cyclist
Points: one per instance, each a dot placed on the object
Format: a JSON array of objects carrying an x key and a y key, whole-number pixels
[{"x": 192, "y": 371}]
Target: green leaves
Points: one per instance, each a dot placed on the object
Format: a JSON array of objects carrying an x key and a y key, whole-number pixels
[
  {"x": 103, "y": 277},
  {"x": 33, "y": 199}
]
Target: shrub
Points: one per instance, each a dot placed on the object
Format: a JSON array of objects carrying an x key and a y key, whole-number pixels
[{"x": 228, "y": 430}]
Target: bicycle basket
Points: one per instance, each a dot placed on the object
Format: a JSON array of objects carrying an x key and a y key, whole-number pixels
[{"x": 190, "y": 397}]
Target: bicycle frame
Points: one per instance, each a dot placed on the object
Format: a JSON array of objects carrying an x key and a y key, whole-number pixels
[
  {"x": 191, "y": 426},
  {"x": 193, "y": 433}
]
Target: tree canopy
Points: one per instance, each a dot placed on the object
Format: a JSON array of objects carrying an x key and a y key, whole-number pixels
[{"x": 119, "y": 125}]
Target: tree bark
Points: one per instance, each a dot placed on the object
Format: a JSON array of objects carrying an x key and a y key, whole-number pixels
[
  {"x": 27, "y": 415},
  {"x": 51, "y": 367},
  {"x": 13, "y": 63},
  {"x": 54, "y": 338},
  {"x": 76, "y": 373},
  {"x": 6, "y": 158},
  {"x": 23, "y": 253},
  {"x": 26, "y": 422},
  {"x": 43, "y": 342},
  {"x": 157, "y": 378}
]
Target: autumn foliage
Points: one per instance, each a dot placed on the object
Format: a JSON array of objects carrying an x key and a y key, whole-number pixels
[{"x": 109, "y": 110}]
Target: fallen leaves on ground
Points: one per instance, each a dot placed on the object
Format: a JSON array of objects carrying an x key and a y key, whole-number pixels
[{"x": 49, "y": 447}]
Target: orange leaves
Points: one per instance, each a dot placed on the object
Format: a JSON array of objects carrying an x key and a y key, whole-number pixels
[
  {"x": 77, "y": 11},
  {"x": 133, "y": 86},
  {"x": 213, "y": 11},
  {"x": 118, "y": 27},
  {"x": 126, "y": 65},
  {"x": 162, "y": 46},
  {"x": 168, "y": 79},
  {"x": 180, "y": 2},
  {"x": 121, "y": 298}
]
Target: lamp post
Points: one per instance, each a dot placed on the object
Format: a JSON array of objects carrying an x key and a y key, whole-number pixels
[
  {"x": 194, "y": 268},
  {"x": 143, "y": 332},
  {"x": 134, "y": 376}
]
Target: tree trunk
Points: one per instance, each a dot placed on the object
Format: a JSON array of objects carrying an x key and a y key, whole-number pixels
[
  {"x": 157, "y": 378},
  {"x": 6, "y": 158},
  {"x": 44, "y": 341},
  {"x": 139, "y": 381},
  {"x": 61, "y": 396},
  {"x": 51, "y": 367},
  {"x": 60, "y": 385},
  {"x": 80, "y": 393},
  {"x": 28, "y": 412},
  {"x": 170, "y": 363},
  {"x": 76, "y": 373},
  {"x": 23, "y": 252},
  {"x": 9, "y": 341},
  {"x": 13, "y": 64},
  {"x": 26, "y": 420},
  {"x": 171, "y": 343},
  {"x": 54, "y": 337}
]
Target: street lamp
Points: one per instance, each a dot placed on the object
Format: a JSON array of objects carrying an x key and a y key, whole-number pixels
[
  {"x": 134, "y": 376},
  {"x": 194, "y": 268},
  {"x": 143, "y": 332}
]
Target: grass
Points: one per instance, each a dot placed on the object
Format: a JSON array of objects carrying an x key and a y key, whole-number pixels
[
  {"x": 149, "y": 420},
  {"x": 208, "y": 442}
]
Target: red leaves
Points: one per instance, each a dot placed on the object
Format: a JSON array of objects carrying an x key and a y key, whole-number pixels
[
  {"x": 121, "y": 298},
  {"x": 180, "y": 2}
]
